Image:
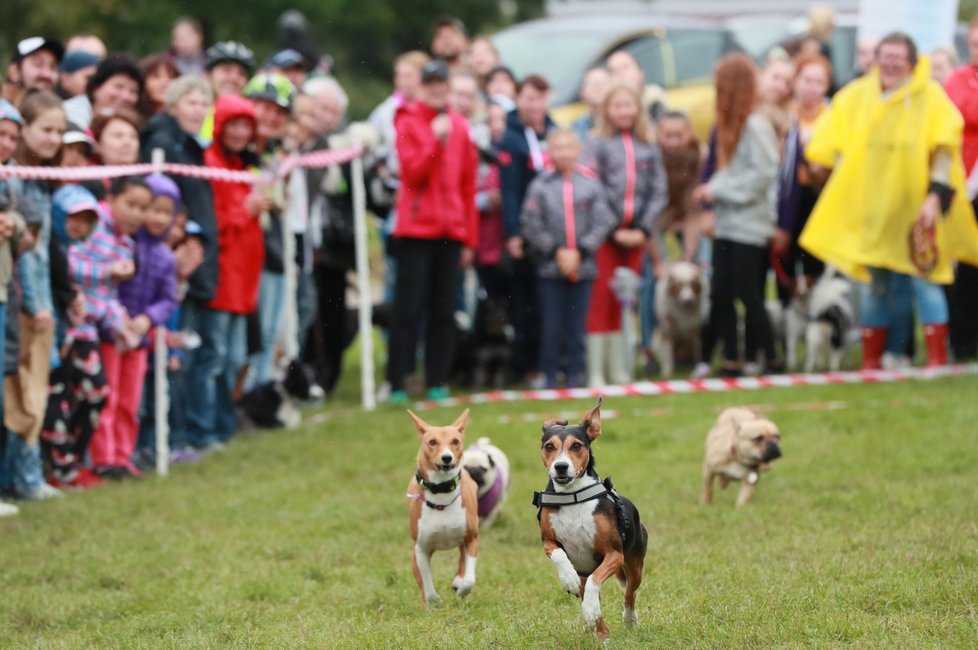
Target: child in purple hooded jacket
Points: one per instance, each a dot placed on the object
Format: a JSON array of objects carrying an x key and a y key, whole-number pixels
[{"x": 149, "y": 298}]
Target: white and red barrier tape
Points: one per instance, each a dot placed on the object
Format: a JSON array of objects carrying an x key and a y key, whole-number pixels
[
  {"x": 676, "y": 386},
  {"x": 313, "y": 159}
]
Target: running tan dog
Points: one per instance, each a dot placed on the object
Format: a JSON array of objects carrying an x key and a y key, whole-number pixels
[
  {"x": 443, "y": 506},
  {"x": 741, "y": 445}
]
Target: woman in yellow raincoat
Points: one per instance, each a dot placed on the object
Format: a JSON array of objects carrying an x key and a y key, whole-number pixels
[{"x": 892, "y": 140}]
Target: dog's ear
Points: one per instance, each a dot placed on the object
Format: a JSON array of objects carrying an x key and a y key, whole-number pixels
[
  {"x": 492, "y": 463},
  {"x": 462, "y": 421},
  {"x": 419, "y": 424},
  {"x": 592, "y": 420}
]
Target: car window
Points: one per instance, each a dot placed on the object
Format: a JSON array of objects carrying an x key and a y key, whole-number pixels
[
  {"x": 843, "y": 48},
  {"x": 648, "y": 52},
  {"x": 560, "y": 58},
  {"x": 696, "y": 52}
]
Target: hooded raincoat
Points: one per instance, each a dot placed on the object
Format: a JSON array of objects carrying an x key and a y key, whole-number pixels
[
  {"x": 241, "y": 245},
  {"x": 880, "y": 149},
  {"x": 153, "y": 290}
]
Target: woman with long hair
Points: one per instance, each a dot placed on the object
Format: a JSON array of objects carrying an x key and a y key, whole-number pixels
[
  {"x": 25, "y": 392},
  {"x": 628, "y": 163},
  {"x": 742, "y": 192}
]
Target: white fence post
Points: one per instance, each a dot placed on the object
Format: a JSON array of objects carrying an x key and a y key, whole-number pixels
[
  {"x": 367, "y": 389},
  {"x": 161, "y": 386}
]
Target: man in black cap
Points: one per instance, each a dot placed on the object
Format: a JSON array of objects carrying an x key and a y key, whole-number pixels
[
  {"x": 34, "y": 65},
  {"x": 449, "y": 41}
]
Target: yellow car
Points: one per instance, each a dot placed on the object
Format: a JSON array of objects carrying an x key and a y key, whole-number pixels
[{"x": 676, "y": 54}]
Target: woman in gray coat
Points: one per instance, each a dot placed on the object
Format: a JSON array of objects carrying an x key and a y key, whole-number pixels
[{"x": 743, "y": 194}]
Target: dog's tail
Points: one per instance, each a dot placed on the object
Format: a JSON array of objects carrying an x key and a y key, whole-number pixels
[{"x": 483, "y": 441}]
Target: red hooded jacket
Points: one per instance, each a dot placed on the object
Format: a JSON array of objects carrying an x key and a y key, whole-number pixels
[
  {"x": 241, "y": 246},
  {"x": 437, "y": 194},
  {"x": 962, "y": 88}
]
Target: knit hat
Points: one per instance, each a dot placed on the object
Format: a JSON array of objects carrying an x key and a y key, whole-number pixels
[
  {"x": 162, "y": 185},
  {"x": 9, "y": 112},
  {"x": 76, "y": 60}
]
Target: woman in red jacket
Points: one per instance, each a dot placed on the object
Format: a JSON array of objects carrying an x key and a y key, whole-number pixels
[
  {"x": 241, "y": 253},
  {"x": 437, "y": 227}
]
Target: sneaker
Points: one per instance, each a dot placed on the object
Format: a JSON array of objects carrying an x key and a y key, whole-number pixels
[
  {"x": 130, "y": 471},
  {"x": 891, "y": 361},
  {"x": 86, "y": 478},
  {"x": 8, "y": 509},
  {"x": 43, "y": 493},
  {"x": 185, "y": 455},
  {"x": 82, "y": 479},
  {"x": 537, "y": 381},
  {"x": 144, "y": 459},
  {"x": 384, "y": 392},
  {"x": 700, "y": 371},
  {"x": 436, "y": 393},
  {"x": 398, "y": 398},
  {"x": 752, "y": 369}
]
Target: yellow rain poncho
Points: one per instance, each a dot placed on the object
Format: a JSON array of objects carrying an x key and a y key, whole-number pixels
[{"x": 880, "y": 151}]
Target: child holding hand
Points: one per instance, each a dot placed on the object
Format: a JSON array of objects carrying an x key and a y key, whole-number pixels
[
  {"x": 101, "y": 265},
  {"x": 565, "y": 220}
]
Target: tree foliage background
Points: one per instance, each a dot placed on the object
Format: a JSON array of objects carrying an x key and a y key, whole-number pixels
[{"x": 363, "y": 36}]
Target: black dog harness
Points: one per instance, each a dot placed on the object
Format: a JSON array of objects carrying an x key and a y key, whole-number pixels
[
  {"x": 444, "y": 487},
  {"x": 551, "y": 499}
]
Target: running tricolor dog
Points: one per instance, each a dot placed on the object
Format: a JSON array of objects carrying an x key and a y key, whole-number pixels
[
  {"x": 589, "y": 531},
  {"x": 443, "y": 506}
]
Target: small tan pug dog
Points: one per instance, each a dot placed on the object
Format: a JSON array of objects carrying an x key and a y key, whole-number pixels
[{"x": 741, "y": 445}]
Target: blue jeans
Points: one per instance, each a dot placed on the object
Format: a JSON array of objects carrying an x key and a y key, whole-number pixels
[
  {"x": 271, "y": 300},
  {"x": 20, "y": 469},
  {"x": 887, "y": 302},
  {"x": 211, "y": 372},
  {"x": 306, "y": 302},
  {"x": 646, "y": 303},
  {"x": 175, "y": 416},
  {"x": 563, "y": 316}
]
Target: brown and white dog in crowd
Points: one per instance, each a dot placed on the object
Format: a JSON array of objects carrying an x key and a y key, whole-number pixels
[
  {"x": 442, "y": 506},
  {"x": 589, "y": 531},
  {"x": 681, "y": 307},
  {"x": 741, "y": 445},
  {"x": 489, "y": 468}
]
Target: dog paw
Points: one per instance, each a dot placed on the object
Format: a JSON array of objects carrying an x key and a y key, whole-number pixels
[
  {"x": 568, "y": 577},
  {"x": 432, "y": 599},
  {"x": 571, "y": 583},
  {"x": 456, "y": 582},
  {"x": 464, "y": 588},
  {"x": 629, "y": 617},
  {"x": 591, "y": 605}
]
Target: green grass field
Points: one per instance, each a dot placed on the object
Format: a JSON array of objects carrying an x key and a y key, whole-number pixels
[{"x": 865, "y": 534}]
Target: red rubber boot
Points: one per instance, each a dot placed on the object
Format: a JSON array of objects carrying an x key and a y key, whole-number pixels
[
  {"x": 874, "y": 344},
  {"x": 936, "y": 336}
]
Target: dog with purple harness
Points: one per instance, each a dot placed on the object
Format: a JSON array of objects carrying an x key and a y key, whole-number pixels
[{"x": 489, "y": 468}]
